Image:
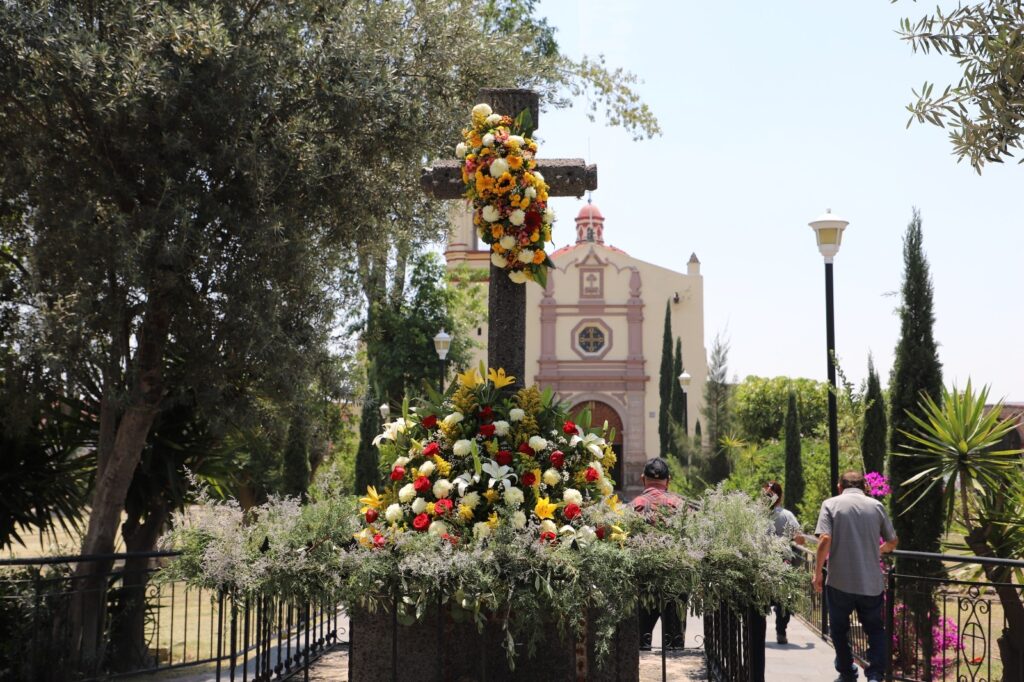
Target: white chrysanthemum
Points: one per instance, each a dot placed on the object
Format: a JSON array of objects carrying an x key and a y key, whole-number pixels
[
  {"x": 482, "y": 110},
  {"x": 531, "y": 192},
  {"x": 419, "y": 505},
  {"x": 538, "y": 443},
  {"x": 517, "y": 277},
  {"x": 516, "y": 414},
  {"x": 437, "y": 528},
  {"x": 572, "y": 496},
  {"x": 501, "y": 428},
  {"x": 481, "y": 530},
  {"x": 461, "y": 448},
  {"x": 453, "y": 419},
  {"x": 488, "y": 140},
  {"x": 442, "y": 487},
  {"x": 401, "y": 461},
  {"x": 498, "y": 260},
  {"x": 513, "y": 497},
  {"x": 536, "y": 174},
  {"x": 525, "y": 256},
  {"x": 498, "y": 168},
  {"x": 426, "y": 468},
  {"x": 460, "y": 150},
  {"x": 507, "y": 242},
  {"x": 552, "y": 477},
  {"x": 493, "y": 119},
  {"x": 517, "y": 140},
  {"x": 548, "y": 526},
  {"x": 393, "y": 513},
  {"x": 406, "y": 493},
  {"x": 517, "y": 217},
  {"x": 549, "y": 216},
  {"x": 471, "y": 500},
  {"x": 519, "y": 520},
  {"x": 491, "y": 213}
]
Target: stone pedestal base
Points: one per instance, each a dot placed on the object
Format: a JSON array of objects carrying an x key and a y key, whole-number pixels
[{"x": 462, "y": 654}]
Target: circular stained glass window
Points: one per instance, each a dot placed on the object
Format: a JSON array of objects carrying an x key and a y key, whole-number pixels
[{"x": 591, "y": 339}]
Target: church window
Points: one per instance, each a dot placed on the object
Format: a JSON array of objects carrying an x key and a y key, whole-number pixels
[{"x": 591, "y": 339}]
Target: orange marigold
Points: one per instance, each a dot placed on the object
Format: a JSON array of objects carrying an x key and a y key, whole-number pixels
[
  {"x": 538, "y": 257},
  {"x": 514, "y": 162}
]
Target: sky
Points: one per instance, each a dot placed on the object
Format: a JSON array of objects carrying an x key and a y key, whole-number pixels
[{"x": 771, "y": 113}]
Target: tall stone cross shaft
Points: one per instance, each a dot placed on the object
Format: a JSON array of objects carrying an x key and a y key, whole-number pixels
[{"x": 506, "y": 300}]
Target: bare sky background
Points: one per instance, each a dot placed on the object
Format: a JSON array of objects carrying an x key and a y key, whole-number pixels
[{"x": 773, "y": 112}]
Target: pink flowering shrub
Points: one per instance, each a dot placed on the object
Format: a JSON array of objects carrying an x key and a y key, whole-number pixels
[
  {"x": 878, "y": 485},
  {"x": 945, "y": 641}
]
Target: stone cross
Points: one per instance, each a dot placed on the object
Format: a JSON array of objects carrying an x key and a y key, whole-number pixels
[{"x": 506, "y": 300}]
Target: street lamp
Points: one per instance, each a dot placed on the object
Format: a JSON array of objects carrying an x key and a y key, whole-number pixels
[
  {"x": 828, "y": 228},
  {"x": 442, "y": 342},
  {"x": 385, "y": 411},
  {"x": 684, "y": 382}
]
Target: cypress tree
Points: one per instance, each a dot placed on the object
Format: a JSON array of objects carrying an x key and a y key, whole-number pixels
[
  {"x": 794, "y": 490},
  {"x": 716, "y": 411},
  {"x": 367, "y": 458},
  {"x": 675, "y": 412},
  {"x": 296, "y": 470},
  {"x": 874, "y": 439},
  {"x": 665, "y": 383}
]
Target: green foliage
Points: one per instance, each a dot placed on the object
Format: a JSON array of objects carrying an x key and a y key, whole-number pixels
[
  {"x": 367, "y": 468},
  {"x": 983, "y": 112},
  {"x": 677, "y": 407},
  {"x": 759, "y": 406},
  {"x": 296, "y": 468},
  {"x": 717, "y": 411},
  {"x": 916, "y": 373},
  {"x": 665, "y": 383},
  {"x": 794, "y": 484},
  {"x": 874, "y": 439}
]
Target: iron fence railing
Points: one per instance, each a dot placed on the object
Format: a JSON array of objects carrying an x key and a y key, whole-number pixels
[
  {"x": 950, "y": 626},
  {"x": 56, "y": 626},
  {"x": 734, "y": 645}
]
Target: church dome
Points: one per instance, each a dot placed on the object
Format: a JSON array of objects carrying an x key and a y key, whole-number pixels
[{"x": 590, "y": 225}]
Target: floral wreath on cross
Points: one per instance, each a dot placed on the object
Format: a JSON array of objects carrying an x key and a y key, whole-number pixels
[{"x": 509, "y": 196}]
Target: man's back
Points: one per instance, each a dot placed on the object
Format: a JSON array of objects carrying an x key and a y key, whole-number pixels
[{"x": 855, "y": 523}]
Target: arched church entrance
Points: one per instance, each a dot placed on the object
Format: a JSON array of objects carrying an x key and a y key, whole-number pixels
[{"x": 600, "y": 413}]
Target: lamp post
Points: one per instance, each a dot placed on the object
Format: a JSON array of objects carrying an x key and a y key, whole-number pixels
[
  {"x": 828, "y": 228},
  {"x": 442, "y": 342},
  {"x": 684, "y": 382}
]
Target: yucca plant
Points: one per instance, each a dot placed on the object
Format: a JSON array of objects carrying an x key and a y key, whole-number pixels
[{"x": 962, "y": 445}]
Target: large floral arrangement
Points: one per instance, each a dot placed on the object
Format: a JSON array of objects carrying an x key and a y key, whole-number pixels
[
  {"x": 491, "y": 455},
  {"x": 507, "y": 192}
]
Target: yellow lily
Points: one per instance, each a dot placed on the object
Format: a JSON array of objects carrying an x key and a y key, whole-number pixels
[
  {"x": 470, "y": 378},
  {"x": 545, "y": 509},
  {"x": 498, "y": 377},
  {"x": 371, "y": 501}
]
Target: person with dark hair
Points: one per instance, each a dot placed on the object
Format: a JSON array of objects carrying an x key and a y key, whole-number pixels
[
  {"x": 785, "y": 524},
  {"x": 654, "y": 503},
  {"x": 849, "y": 526}
]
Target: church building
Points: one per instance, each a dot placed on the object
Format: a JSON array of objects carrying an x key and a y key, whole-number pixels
[{"x": 594, "y": 333}]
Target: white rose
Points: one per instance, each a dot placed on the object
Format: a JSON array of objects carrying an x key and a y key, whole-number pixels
[
  {"x": 519, "y": 519},
  {"x": 585, "y": 536},
  {"x": 460, "y": 150},
  {"x": 499, "y": 166},
  {"x": 531, "y": 192},
  {"x": 481, "y": 530},
  {"x": 501, "y": 428},
  {"x": 442, "y": 487},
  {"x": 525, "y": 256},
  {"x": 517, "y": 216},
  {"x": 482, "y": 110},
  {"x": 461, "y": 448},
  {"x": 488, "y": 140},
  {"x": 513, "y": 497},
  {"x": 471, "y": 500},
  {"x": 540, "y": 178},
  {"x": 426, "y": 468},
  {"x": 453, "y": 419},
  {"x": 419, "y": 505},
  {"x": 493, "y": 119},
  {"x": 549, "y": 216},
  {"x": 517, "y": 276},
  {"x": 507, "y": 242},
  {"x": 517, "y": 140},
  {"x": 537, "y": 443},
  {"x": 406, "y": 493},
  {"x": 498, "y": 260},
  {"x": 491, "y": 214},
  {"x": 437, "y": 528},
  {"x": 402, "y": 461},
  {"x": 548, "y": 526},
  {"x": 516, "y": 414},
  {"x": 572, "y": 496},
  {"x": 552, "y": 477},
  {"x": 394, "y": 513}
]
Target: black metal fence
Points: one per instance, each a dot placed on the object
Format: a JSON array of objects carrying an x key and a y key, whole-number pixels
[
  {"x": 734, "y": 645},
  {"x": 144, "y": 624},
  {"x": 951, "y": 627}
]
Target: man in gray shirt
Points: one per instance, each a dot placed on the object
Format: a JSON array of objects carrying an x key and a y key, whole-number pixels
[{"x": 849, "y": 528}]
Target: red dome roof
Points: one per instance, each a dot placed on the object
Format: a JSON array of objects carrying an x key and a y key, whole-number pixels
[{"x": 589, "y": 212}]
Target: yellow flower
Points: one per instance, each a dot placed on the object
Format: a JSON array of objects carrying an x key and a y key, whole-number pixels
[
  {"x": 475, "y": 140},
  {"x": 514, "y": 162},
  {"x": 536, "y": 477},
  {"x": 539, "y": 256},
  {"x": 430, "y": 508},
  {"x": 545, "y": 509},
  {"x": 504, "y": 184},
  {"x": 618, "y": 534},
  {"x": 491, "y": 495},
  {"x": 492, "y": 520},
  {"x": 498, "y": 378},
  {"x": 465, "y": 513},
  {"x": 497, "y": 231},
  {"x": 534, "y": 236},
  {"x": 470, "y": 378},
  {"x": 372, "y": 500},
  {"x": 441, "y": 466},
  {"x": 524, "y": 202}
]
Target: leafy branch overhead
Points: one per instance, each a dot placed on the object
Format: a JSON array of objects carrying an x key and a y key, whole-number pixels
[{"x": 984, "y": 111}]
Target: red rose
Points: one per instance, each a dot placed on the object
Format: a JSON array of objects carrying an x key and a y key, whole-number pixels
[
  {"x": 568, "y": 428},
  {"x": 421, "y": 522},
  {"x": 371, "y": 515},
  {"x": 592, "y": 475},
  {"x": 486, "y": 413},
  {"x": 571, "y": 511},
  {"x": 528, "y": 478},
  {"x": 421, "y": 484},
  {"x": 431, "y": 449},
  {"x": 547, "y": 536},
  {"x": 600, "y": 532},
  {"x": 454, "y": 539},
  {"x": 429, "y": 422},
  {"x": 487, "y": 430},
  {"x": 557, "y": 459},
  {"x": 397, "y": 473},
  {"x": 533, "y": 219},
  {"x": 379, "y": 540},
  {"x": 442, "y": 506},
  {"x": 504, "y": 457},
  {"x": 526, "y": 449}
]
